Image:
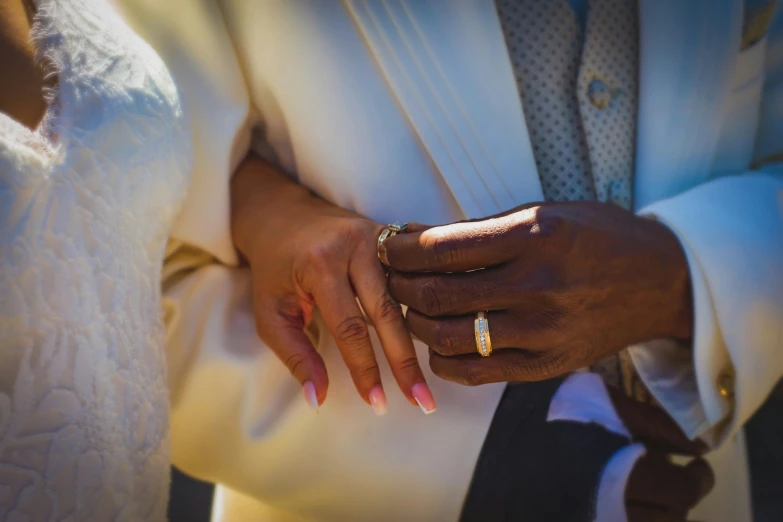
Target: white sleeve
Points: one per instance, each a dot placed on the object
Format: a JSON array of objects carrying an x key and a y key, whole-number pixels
[
  {"x": 214, "y": 355},
  {"x": 732, "y": 233},
  {"x": 192, "y": 39}
]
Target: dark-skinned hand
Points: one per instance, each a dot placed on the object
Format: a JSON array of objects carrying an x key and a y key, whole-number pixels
[
  {"x": 565, "y": 285},
  {"x": 540, "y": 469},
  {"x": 659, "y": 490}
]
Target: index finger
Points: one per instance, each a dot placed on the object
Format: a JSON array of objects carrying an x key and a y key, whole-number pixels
[{"x": 458, "y": 247}]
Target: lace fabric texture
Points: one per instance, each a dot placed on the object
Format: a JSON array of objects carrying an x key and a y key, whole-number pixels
[{"x": 86, "y": 204}]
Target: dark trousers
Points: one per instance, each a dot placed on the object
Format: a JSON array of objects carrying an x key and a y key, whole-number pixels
[{"x": 536, "y": 471}]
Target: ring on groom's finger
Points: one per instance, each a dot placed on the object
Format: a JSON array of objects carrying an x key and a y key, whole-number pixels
[
  {"x": 481, "y": 331},
  {"x": 389, "y": 231}
]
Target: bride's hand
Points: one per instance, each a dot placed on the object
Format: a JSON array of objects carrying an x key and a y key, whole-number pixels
[{"x": 306, "y": 253}]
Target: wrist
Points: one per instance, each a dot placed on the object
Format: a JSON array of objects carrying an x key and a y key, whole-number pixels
[
  {"x": 680, "y": 320},
  {"x": 261, "y": 197},
  {"x": 675, "y": 284}
]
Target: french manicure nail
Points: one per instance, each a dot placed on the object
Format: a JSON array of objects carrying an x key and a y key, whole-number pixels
[
  {"x": 310, "y": 396},
  {"x": 421, "y": 392},
  {"x": 378, "y": 401}
]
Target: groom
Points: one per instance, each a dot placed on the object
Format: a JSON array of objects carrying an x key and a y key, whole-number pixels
[{"x": 441, "y": 111}]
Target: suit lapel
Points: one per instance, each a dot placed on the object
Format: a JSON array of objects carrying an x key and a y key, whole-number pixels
[
  {"x": 447, "y": 64},
  {"x": 686, "y": 58}
]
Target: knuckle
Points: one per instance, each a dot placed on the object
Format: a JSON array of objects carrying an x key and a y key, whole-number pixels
[
  {"x": 365, "y": 371},
  {"x": 293, "y": 362},
  {"x": 524, "y": 370},
  {"x": 345, "y": 235},
  {"x": 548, "y": 325},
  {"x": 552, "y": 364},
  {"x": 531, "y": 366},
  {"x": 437, "y": 246},
  {"x": 352, "y": 331},
  {"x": 430, "y": 297},
  {"x": 319, "y": 257},
  {"x": 351, "y": 231},
  {"x": 443, "y": 342},
  {"x": 388, "y": 310},
  {"x": 558, "y": 361},
  {"x": 549, "y": 364},
  {"x": 471, "y": 376},
  {"x": 549, "y": 223},
  {"x": 551, "y": 318},
  {"x": 409, "y": 363}
]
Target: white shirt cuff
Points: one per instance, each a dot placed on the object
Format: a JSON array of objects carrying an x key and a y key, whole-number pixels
[{"x": 667, "y": 367}]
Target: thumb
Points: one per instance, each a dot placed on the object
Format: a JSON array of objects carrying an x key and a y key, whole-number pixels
[{"x": 652, "y": 426}]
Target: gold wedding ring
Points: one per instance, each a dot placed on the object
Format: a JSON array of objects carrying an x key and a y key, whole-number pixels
[
  {"x": 389, "y": 231},
  {"x": 481, "y": 331}
]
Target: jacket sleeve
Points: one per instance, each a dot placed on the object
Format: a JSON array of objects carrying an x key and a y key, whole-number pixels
[
  {"x": 731, "y": 229},
  {"x": 192, "y": 39},
  {"x": 732, "y": 233}
]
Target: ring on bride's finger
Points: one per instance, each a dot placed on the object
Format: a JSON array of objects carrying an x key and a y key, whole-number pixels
[
  {"x": 389, "y": 231},
  {"x": 481, "y": 331}
]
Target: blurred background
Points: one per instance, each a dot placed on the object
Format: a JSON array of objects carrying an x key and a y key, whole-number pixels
[{"x": 191, "y": 500}]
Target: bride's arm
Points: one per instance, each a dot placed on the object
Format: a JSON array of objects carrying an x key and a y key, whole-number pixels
[
  {"x": 21, "y": 91},
  {"x": 225, "y": 380},
  {"x": 305, "y": 253},
  {"x": 308, "y": 234},
  {"x": 220, "y": 374}
]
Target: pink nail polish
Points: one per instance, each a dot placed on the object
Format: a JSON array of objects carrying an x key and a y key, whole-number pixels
[
  {"x": 421, "y": 392},
  {"x": 378, "y": 401},
  {"x": 310, "y": 396}
]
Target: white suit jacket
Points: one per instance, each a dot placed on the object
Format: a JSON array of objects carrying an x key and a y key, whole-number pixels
[{"x": 406, "y": 110}]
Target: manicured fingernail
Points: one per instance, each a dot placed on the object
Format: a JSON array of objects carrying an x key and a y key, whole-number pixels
[
  {"x": 421, "y": 392},
  {"x": 310, "y": 396},
  {"x": 382, "y": 254},
  {"x": 378, "y": 401}
]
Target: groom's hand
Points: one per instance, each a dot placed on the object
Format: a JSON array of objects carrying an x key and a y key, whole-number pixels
[
  {"x": 659, "y": 490},
  {"x": 565, "y": 285},
  {"x": 547, "y": 454}
]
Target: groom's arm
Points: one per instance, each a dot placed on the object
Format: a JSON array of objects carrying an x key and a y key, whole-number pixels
[{"x": 732, "y": 231}]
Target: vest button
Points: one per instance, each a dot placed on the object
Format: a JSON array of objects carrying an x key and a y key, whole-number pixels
[{"x": 600, "y": 94}]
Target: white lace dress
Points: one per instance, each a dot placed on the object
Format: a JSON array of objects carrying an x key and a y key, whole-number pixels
[{"x": 86, "y": 203}]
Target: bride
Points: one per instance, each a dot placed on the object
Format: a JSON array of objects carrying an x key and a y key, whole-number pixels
[{"x": 91, "y": 178}]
